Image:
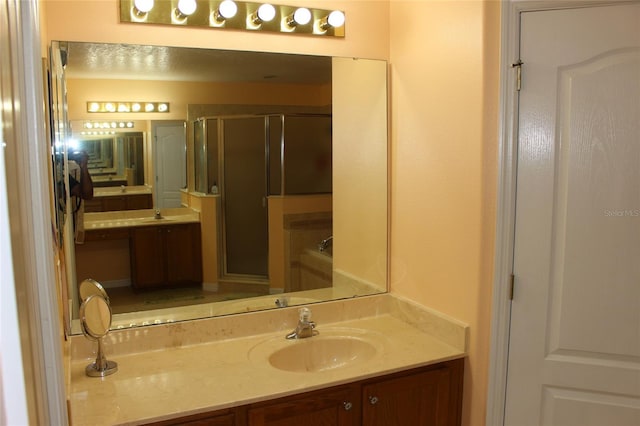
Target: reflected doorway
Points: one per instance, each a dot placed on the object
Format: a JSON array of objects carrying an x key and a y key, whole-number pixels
[{"x": 170, "y": 154}]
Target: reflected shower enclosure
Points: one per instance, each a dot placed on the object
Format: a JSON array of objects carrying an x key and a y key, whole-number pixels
[{"x": 246, "y": 159}]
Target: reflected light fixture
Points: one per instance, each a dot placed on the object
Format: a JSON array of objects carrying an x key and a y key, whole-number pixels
[
  {"x": 97, "y": 128},
  {"x": 126, "y": 107}
]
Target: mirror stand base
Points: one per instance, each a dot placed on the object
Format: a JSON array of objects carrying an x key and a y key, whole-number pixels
[{"x": 92, "y": 369}]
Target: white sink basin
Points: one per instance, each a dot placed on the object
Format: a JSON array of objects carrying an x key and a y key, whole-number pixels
[
  {"x": 326, "y": 351},
  {"x": 318, "y": 354}
]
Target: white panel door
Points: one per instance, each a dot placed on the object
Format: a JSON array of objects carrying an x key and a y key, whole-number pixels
[
  {"x": 574, "y": 353},
  {"x": 171, "y": 162}
]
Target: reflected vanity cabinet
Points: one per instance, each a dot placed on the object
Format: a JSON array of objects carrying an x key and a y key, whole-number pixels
[
  {"x": 425, "y": 396},
  {"x": 166, "y": 256},
  {"x": 118, "y": 202}
]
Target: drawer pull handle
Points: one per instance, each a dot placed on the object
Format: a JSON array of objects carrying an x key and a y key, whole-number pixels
[
  {"x": 347, "y": 405},
  {"x": 373, "y": 400}
]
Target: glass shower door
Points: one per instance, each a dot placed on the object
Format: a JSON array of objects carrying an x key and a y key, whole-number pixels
[{"x": 244, "y": 197}]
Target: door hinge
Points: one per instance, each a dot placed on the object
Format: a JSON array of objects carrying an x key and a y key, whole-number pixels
[
  {"x": 512, "y": 280},
  {"x": 518, "y": 67}
]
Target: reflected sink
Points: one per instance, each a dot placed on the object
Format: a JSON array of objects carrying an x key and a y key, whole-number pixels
[
  {"x": 154, "y": 220},
  {"x": 328, "y": 350}
]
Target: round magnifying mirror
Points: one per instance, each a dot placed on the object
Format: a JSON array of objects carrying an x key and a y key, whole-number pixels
[
  {"x": 95, "y": 315},
  {"x": 90, "y": 287},
  {"x": 95, "y": 318}
]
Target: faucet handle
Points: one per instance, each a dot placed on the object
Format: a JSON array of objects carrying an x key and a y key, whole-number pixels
[{"x": 305, "y": 314}]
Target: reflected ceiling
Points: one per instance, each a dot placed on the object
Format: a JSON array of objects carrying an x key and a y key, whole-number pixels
[{"x": 134, "y": 62}]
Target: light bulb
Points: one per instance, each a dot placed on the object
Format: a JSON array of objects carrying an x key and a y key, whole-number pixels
[
  {"x": 149, "y": 107},
  {"x": 228, "y": 9},
  {"x": 162, "y": 107},
  {"x": 143, "y": 6},
  {"x": 302, "y": 16},
  {"x": 266, "y": 12},
  {"x": 336, "y": 19},
  {"x": 187, "y": 7}
]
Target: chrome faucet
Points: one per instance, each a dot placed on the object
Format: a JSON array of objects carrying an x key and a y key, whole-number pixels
[
  {"x": 282, "y": 302},
  {"x": 157, "y": 214},
  {"x": 325, "y": 243},
  {"x": 305, "y": 328}
]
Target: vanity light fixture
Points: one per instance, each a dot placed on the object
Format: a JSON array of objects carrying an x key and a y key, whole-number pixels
[
  {"x": 235, "y": 15},
  {"x": 126, "y": 107}
]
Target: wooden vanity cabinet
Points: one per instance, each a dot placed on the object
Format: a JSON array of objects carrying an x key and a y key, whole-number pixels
[
  {"x": 425, "y": 396},
  {"x": 105, "y": 234},
  {"x": 118, "y": 202},
  {"x": 166, "y": 256}
]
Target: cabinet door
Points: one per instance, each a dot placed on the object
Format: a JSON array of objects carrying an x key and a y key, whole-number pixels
[
  {"x": 428, "y": 398},
  {"x": 147, "y": 257},
  {"x": 183, "y": 254},
  {"x": 92, "y": 206},
  {"x": 110, "y": 204},
  {"x": 139, "y": 201},
  {"x": 338, "y": 407}
]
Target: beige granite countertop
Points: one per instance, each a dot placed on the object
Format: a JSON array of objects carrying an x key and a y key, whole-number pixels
[{"x": 172, "y": 370}]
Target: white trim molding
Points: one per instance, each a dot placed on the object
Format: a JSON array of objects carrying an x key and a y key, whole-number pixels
[{"x": 27, "y": 189}]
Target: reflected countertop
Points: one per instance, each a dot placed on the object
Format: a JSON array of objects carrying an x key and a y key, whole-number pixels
[
  {"x": 173, "y": 370},
  {"x": 117, "y": 191},
  {"x": 143, "y": 217}
]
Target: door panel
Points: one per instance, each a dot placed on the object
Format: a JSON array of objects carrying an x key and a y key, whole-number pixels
[
  {"x": 171, "y": 162},
  {"x": 574, "y": 355}
]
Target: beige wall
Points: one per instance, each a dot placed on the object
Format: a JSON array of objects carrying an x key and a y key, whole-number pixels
[
  {"x": 444, "y": 136},
  {"x": 444, "y": 59}
]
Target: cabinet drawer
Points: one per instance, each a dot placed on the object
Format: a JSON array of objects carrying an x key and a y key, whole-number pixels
[{"x": 106, "y": 234}]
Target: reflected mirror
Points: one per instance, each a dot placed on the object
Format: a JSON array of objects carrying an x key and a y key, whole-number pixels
[
  {"x": 115, "y": 158},
  {"x": 307, "y": 133}
]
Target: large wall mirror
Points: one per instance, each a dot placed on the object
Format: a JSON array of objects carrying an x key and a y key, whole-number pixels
[{"x": 308, "y": 132}]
